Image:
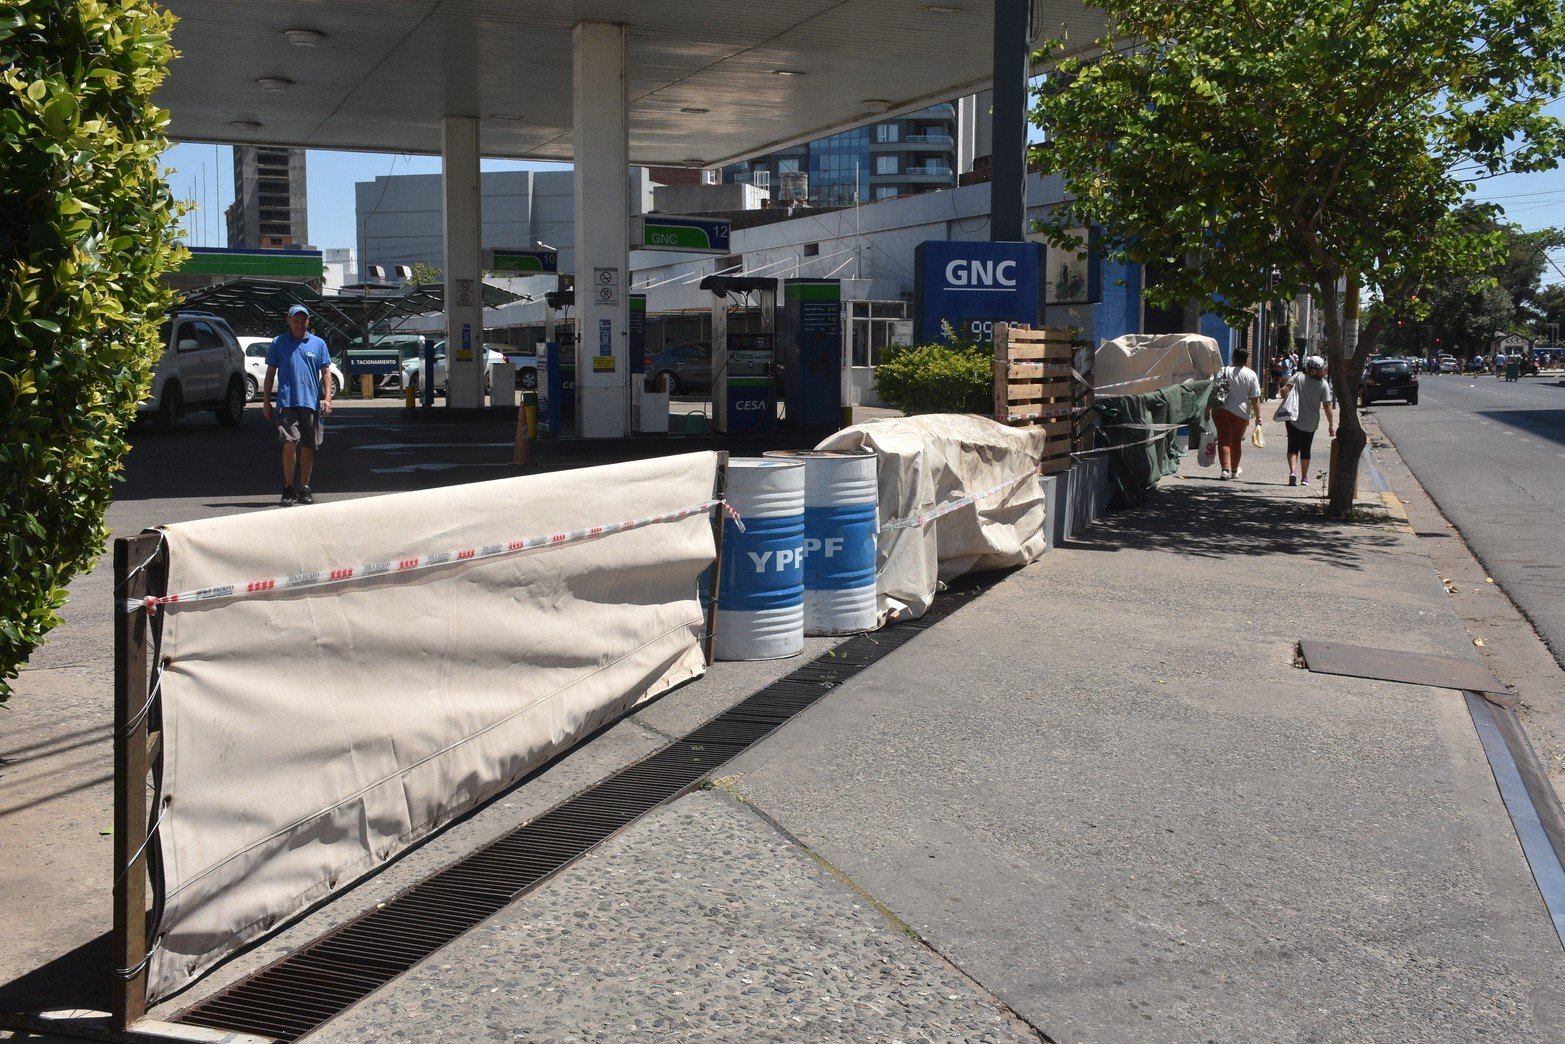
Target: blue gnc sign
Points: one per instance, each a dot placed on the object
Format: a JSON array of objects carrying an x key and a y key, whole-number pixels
[{"x": 974, "y": 285}]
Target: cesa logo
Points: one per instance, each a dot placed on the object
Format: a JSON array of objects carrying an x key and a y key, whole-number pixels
[
  {"x": 965, "y": 274},
  {"x": 750, "y": 405}
]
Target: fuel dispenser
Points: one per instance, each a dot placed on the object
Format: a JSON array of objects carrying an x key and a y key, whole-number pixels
[
  {"x": 557, "y": 365},
  {"x": 809, "y": 347},
  {"x": 744, "y": 395}
]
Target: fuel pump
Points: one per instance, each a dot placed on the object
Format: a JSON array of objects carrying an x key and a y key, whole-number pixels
[
  {"x": 809, "y": 348},
  {"x": 744, "y": 363},
  {"x": 557, "y": 389}
]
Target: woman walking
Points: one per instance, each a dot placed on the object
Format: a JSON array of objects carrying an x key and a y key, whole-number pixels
[
  {"x": 1235, "y": 398},
  {"x": 1311, "y": 393}
]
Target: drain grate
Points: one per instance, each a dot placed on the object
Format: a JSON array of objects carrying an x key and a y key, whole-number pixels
[{"x": 298, "y": 993}]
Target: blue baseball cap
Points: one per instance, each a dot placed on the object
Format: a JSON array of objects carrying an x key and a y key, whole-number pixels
[{"x": 298, "y": 309}]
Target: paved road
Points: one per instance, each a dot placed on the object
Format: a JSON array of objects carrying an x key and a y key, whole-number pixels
[{"x": 1492, "y": 455}]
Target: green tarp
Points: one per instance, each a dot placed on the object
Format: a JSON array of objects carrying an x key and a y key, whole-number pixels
[{"x": 1146, "y": 453}]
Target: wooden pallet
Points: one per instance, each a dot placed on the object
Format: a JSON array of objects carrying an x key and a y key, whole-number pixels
[{"x": 1035, "y": 386}]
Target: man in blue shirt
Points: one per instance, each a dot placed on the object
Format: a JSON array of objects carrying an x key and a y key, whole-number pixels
[{"x": 300, "y": 364}]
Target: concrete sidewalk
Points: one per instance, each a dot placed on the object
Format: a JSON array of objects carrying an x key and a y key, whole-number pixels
[{"x": 1098, "y": 803}]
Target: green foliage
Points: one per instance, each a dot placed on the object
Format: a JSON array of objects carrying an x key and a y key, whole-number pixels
[
  {"x": 949, "y": 377},
  {"x": 86, "y": 230},
  {"x": 1260, "y": 148},
  {"x": 423, "y": 274}
]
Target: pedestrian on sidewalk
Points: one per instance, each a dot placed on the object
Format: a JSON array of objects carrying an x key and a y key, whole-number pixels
[
  {"x": 1235, "y": 399},
  {"x": 1304, "y": 398},
  {"x": 302, "y": 362}
]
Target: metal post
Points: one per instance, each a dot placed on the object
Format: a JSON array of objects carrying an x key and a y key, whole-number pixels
[
  {"x": 133, "y": 580},
  {"x": 1008, "y": 177},
  {"x": 720, "y": 491}
]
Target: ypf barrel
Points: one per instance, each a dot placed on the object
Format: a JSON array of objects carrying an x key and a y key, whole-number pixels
[
  {"x": 841, "y": 500},
  {"x": 760, "y": 594}
]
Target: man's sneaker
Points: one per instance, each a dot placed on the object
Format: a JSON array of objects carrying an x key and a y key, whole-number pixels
[
  {"x": 289, "y": 497},
  {"x": 305, "y": 496},
  {"x": 1305, "y": 481},
  {"x": 1238, "y": 472},
  {"x": 1293, "y": 480},
  {"x": 1223, "y": 474}
]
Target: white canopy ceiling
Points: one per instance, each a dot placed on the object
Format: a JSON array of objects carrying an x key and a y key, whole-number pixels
[{"x": 708, "y": 79}]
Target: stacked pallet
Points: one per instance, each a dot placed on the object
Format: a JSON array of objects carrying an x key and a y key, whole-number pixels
[{"x": 1036, "y": 385}]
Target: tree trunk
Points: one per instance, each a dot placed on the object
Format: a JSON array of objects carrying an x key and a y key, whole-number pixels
[
  {"x": 1350, "y": 443},
  {"x": 1347, "y": 366}
]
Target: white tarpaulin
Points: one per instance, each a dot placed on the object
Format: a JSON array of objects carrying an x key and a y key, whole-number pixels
[
  {"x": 1137, "y": 363},
  {"x": 310, "y": 735},
  {"x": 930, "y": 463}
]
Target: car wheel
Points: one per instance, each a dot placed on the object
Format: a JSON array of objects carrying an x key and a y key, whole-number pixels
[
  {"x": 168, "y": 408},
  {"x": 252, "y": 388},
  {"x": 233, "y": 409},
  {"x": 1412, "y": 400},
  {"x": 529, "y": 380},
  {"x": 336, "y": 385},
  {"x": 412, "y": 383},
  {"x": 670, "y": 381},
  {"x": 1364, "y": 400}
]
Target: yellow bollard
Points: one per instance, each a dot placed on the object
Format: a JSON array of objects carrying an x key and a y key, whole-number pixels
[{"x": 409, "y": 396}]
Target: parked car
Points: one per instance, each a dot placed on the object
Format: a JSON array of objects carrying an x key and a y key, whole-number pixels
[
  {"x": 686, "y": 367},
  {"x": 526, "y": 368},
  {"x": 255, "y": 368},
  {"x": 202, "y": 368},
  {"x": 1389, "y": 379}
]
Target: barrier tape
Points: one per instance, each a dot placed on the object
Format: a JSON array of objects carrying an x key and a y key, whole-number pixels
[
  {"x": 416, "y": 563},
  {"x": 1123, "y": 445},
  {"x": 1185, "y": 374},
  {"x": 915, "y": 521},
  {"x": 1052, "y": 411},
  {"x": 1143, "y": 427}
]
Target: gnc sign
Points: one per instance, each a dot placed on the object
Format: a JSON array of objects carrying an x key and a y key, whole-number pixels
[{"x": 973, "y": 285}]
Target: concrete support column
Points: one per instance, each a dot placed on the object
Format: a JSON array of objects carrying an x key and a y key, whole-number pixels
[
  {"x": 602, "y": 230},
  {"x": 464, "y": 249}
]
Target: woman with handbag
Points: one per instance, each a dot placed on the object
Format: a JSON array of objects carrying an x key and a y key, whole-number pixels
[
  {"x": 1235, "y": 398},
  {"x": 1303, "y": 399}
]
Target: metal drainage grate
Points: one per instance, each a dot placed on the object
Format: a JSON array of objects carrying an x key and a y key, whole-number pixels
[{"x": 296, "y": 994}]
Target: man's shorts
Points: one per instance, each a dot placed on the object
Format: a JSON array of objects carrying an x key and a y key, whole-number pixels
[{"x": 300, "y": 425}]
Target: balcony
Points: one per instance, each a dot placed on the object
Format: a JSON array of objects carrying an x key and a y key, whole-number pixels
[
  {"x": 939, "y": 171},
  {"x": 930, "y": 139}
]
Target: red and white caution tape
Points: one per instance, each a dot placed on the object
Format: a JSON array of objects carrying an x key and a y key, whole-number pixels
[
  {"x": 1126, "y": 445},
  {"x": 416, "y": 563},
  {"x": 924, "y": 518},
  {"x": 1044, "y": 414}
]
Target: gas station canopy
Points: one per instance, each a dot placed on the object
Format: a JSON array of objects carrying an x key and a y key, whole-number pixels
[{"x": 709, "y": 81}]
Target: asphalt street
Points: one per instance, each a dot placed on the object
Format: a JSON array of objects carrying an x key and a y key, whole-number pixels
[{"x": 1492, "y": 456}]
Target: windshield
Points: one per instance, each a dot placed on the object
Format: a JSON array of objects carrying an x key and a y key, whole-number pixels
[{"x": 1391, "y": 369}]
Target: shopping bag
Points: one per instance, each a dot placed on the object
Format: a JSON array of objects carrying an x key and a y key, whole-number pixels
[
  {"x": 1257, "y": 439},
  {"x": 1208, "y": 453},
  {"x": 1289, "y": 410}
]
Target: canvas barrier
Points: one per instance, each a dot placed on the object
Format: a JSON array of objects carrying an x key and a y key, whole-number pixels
[
  {"x": 1137, "y": 363},
  {"x": 958, "y": 494},
  {"x": 312, "y": 732}
]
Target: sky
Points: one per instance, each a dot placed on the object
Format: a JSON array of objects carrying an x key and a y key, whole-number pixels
[{"x": 205, "y": 174}]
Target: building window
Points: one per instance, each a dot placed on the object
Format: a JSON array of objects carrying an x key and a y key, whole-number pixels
[
  {"x": 887, "y": 132},
  {"x": 885, "y": 164},
  {"x": 885, "y": 191},
  {"x": 787, "y": 166}
]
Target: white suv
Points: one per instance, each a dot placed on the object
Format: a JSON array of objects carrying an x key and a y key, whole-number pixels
[
  {"x": 255, "y": 368},
  {"x": 202, "y": 368}
]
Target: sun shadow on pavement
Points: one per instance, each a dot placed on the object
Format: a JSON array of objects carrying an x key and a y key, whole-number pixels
[
  {"x": 1212, "y": 520},
  {"x": 78, "y": 979}
]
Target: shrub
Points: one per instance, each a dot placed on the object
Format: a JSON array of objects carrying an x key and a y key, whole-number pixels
[
  {"x": 949, "y": 377},
  {"x": 86, "y": 230}
]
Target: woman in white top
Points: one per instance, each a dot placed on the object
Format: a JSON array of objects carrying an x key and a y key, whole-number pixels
[
  {"x": 1314, "y": 394},
  {"x": 1232, "y": 415}
]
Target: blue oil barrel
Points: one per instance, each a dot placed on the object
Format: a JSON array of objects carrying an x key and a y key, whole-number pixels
[
  {"x": 760, "y": 595},
  {"x": 841, "y": 500}
]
